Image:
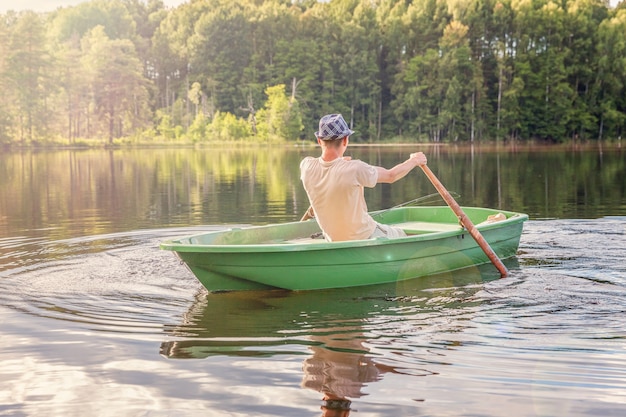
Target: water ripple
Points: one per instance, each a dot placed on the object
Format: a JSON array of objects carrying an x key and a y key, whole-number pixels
[
  {"x": 553, "y": 332},
  {"x": 119, "y": 283}
]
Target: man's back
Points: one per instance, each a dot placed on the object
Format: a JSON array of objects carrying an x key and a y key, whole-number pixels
[{"x": 335, "y": 190}]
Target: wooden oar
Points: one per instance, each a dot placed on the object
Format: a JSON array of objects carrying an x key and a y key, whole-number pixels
[
  {"x": 466, "y": 222},
  {"x": 308, "y": 214}
]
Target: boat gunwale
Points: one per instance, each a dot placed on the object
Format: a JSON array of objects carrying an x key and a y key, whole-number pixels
[{"x": 177, "y": 245}]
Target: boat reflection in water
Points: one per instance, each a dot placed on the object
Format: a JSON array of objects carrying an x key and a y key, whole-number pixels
[{"x": 336, "y": 328}]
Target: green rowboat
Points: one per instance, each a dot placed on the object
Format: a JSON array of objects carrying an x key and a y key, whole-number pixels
[{"x": 289, "y": 256}]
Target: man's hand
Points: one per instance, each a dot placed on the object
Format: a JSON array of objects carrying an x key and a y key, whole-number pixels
[{"x": 419, "y": 158}]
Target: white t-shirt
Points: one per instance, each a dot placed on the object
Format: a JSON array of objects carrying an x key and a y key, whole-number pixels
[{"x": 335, "y": 190}]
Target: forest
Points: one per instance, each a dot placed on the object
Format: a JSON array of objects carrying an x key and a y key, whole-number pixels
[{"x": 109, "y": 72}]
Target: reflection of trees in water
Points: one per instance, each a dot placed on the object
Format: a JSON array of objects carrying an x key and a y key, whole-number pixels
[{"x": 90, "y": 192}]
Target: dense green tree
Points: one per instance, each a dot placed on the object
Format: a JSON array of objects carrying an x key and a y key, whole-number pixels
[
  {"x": 73, "y": 89},
  {"x": 220, "y": 51},
  {"x": 280, "y": 118},
  {"x": 610, "y": 81},
  {"x": 417, "y": 103},
  {"x": 112, "y": 15},
  {"x": 477, "y": 16},
  {"x": 499, "y": 71},
  {"x": 170, "y": 57},
  {"x": 582, "y": 20},
  {"x": 428, "y": 70},
  {"x": 539, "y": 63},
  {"x": 358, "y": 57},
  {"x": 457, "y": 70},
  {"x": 120, "y": 92},
  {"x": 27, "y": 64},
  {"x": 5, "y": 100},
  {"x": 417, "y": 86}
]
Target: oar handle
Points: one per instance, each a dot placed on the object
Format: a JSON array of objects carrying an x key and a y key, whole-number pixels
[
  {"x": 309, "y": 214},
  {"x": 466, "y": 222}
]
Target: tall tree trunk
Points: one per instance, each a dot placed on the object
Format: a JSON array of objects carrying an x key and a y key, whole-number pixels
[
  {"x": 473, "y": 121},
  {"x": 111, "y": 125},
  {"x": 499, "y": 110},
  {"x": 380, "y": 119}
]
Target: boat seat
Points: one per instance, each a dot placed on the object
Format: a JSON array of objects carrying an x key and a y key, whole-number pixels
[
  {"x": 427, "y": 227},
  {"x": 410, "y": 228}
]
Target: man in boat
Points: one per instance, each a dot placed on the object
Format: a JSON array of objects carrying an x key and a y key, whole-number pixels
[{"x": 335, "y": 185}]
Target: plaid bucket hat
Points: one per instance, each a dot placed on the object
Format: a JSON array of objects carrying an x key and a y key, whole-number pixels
[{"x": 332, "y": 127}]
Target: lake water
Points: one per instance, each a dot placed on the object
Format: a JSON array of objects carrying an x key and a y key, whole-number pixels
[{"x": 95, "y": 320}]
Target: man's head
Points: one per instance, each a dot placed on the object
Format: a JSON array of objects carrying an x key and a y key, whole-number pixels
[
  {"x": 335, "y": 406},
  {"x": 333, "y": 127}
]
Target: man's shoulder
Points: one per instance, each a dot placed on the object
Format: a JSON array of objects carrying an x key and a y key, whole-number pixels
[
  {"x": 361, "y": 164},
  {"x": 307, "y": 159}
]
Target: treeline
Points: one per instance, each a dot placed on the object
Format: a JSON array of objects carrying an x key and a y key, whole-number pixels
[{"x": 254, "y": 70}]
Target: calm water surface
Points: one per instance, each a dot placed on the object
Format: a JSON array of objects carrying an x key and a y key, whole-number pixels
[{"x": 96, "y": 320}]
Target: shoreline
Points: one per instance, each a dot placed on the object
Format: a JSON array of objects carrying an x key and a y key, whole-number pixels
[{"x": 483, "y": 146}]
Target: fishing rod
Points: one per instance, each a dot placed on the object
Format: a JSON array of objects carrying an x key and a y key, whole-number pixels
[{"x": 419, "y": 200}]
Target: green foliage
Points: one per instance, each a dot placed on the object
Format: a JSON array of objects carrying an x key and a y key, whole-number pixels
[
  {"x": 280, "y": 118},
  {"x": 116, "y": 81},
  {"x": 164, "y": 126},
  {"x": 228, "y": 127},
  {"x": 26, "y": 68},
  {"x": 198, "y": 129},
  {"x": 113, "y": 16},
  {"x": 430, "y": 70}
]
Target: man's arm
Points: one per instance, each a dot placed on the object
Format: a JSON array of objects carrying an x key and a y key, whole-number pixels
[{"x": 392, "y": 175}]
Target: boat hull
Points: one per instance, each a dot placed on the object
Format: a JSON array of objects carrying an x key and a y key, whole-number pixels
[{"x": 284, "y": 256}]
